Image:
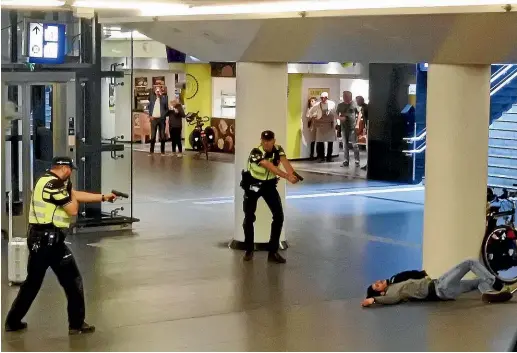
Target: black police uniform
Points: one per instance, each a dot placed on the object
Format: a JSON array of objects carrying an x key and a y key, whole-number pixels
[
  {"x": 262, "y": 183},
  {"x": 48, "y": 225}
]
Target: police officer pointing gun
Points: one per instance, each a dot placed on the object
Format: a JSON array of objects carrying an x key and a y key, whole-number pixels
[
  {"x": 53, "y": 203},
  {"x": 260, "y": 180}
]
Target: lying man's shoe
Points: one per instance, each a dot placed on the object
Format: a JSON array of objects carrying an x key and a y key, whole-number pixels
[
  {"x": 497, "y": 297},
  {"x": 512, "y": 288},
  {"x": 85, "y": 328},
  {"x": 15, "y": 327}
]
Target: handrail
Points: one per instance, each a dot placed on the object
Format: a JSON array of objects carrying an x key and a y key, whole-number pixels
[
  {"x": 500, "y": 85},
  {"x": 503, "y": 70},
  {"x": 417, "y": 150},
  {"x": 420, "y": 137}
]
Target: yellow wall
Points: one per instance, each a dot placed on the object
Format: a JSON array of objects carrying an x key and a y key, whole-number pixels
[
  {"x": 202, "y": 101},
  {"x": 294, "y": 115}
]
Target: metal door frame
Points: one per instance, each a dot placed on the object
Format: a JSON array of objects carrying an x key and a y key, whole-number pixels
[{"x": 25, "y": 80}]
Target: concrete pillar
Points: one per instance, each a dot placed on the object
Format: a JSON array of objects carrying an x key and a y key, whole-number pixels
[
  {"x": 261, "y": 105},
  {"x": 458, "y": 106}
]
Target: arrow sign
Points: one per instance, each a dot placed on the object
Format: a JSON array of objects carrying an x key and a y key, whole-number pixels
[{"x": 36, "y": 40}]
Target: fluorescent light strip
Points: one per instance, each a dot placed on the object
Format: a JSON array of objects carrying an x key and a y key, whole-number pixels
[
  {"x": 32, "y": 3},
  {"x": 299, "y": 6},
  {"x": 158, "y": 8},
  {"x": 130, "y": 5}
]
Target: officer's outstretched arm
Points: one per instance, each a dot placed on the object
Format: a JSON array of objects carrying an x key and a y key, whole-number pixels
[
  {"x": 89, "y": 197},
  {"x": 287, "y": 165}
]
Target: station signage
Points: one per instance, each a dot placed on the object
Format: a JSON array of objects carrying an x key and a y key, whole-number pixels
[{"x": 46, "y": 43}]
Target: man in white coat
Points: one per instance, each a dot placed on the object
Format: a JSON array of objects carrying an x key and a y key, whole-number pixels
[{"x": 324, "y": 116}]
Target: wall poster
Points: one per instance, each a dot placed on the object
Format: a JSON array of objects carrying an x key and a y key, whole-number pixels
[
  {"x": 141, "y": 82},
  {"x": 159, "y": 81},
  {"x": 220, "y": 69},
  {"x": 224, "y": 130}
]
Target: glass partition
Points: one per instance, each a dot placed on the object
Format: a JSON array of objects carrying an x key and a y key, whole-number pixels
[
  {"x": 16, "y": 165},
  {"x": 116, "y": 131}
]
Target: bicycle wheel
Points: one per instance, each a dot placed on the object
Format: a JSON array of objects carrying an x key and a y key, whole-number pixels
[{"x": 499, "y": 253}]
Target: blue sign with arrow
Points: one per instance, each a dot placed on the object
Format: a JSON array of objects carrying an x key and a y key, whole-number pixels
[{"x": 46, "y": 43}]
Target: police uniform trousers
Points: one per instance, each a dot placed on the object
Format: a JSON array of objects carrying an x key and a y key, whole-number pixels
[
  {"x": 271, "y": 196},
  {"x": 60, "y": 259}
]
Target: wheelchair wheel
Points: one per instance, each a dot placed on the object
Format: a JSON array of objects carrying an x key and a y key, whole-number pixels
[{"x": 499, "y": 253}]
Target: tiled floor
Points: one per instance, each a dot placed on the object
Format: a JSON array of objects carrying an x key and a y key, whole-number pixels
[
  {"x": 171, "y": 284},
  {"x": 335, "y": 167}
]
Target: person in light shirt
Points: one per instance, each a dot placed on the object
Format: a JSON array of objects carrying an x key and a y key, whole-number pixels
[
  {"x": 324, "y": 115},
  {"x": 158, "y": 109}
]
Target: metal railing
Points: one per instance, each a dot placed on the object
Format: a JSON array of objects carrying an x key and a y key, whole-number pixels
[{"x": 498, "y": 80}]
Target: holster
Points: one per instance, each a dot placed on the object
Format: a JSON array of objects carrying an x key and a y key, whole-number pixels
[{"x": 246, "y": 179}]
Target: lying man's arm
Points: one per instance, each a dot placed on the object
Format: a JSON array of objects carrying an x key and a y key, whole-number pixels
[{"x": 383, "y": 300}]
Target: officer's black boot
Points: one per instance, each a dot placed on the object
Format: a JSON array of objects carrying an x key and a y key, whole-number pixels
[
  {"x": 248, "y": 256},
  {"x": 85, "y": 328},
  {"x": 276, "y": 258},
  {"x": 12, "y": 327}
]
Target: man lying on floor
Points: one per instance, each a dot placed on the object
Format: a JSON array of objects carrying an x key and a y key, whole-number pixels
[{"x": 418, "y": 286}]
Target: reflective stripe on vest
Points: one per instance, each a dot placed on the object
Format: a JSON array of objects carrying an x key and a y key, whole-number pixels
[
  {"x": 42, "y": 212},
  {"x": 259, "y": 172}
]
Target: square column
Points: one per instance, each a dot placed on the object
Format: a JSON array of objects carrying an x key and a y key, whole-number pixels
[
  {"x": 458, "y": 107},
  {"x": 261, "y": 105}
]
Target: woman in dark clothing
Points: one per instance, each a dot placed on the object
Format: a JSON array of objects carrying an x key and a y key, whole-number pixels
[{"x": 176, "y": 115}]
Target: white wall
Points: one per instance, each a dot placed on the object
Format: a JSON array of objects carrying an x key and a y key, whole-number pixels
[
  {"x": 141, "y": 49},
  {"x": 226, "y": 85},
  {"x": 116, "y": 123},
  {"x": 358, "y": 87},
  {"x": 333, "y": 84}
]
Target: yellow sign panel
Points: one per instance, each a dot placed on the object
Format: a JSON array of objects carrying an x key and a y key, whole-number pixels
[{"x": 316, "y": 92}]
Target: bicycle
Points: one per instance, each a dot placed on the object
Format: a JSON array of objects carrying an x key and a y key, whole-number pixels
[
  {"x": 499, "y": 246},
  {"x": 200, "y": 139}
]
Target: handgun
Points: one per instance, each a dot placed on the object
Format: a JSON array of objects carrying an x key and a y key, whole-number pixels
[{"x": 298, "y": 176}]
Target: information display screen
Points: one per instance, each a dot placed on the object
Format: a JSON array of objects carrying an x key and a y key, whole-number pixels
[{"x": 46, "y": 43}]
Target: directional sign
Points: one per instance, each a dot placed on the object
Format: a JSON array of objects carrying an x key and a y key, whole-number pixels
[{"x": 46, "y": 43}]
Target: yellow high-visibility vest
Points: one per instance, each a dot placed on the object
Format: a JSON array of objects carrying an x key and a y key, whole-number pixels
[
  {"x": 258, "y": 154},
  {"x": 42, "y": 211}
]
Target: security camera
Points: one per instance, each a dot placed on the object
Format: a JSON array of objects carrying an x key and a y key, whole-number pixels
[{"x": 507, "y": 8}]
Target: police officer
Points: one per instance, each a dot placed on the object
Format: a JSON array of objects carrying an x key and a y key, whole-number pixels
[
  {"x": 53, "y": 203},
  {"x": 260, "y": 180}
]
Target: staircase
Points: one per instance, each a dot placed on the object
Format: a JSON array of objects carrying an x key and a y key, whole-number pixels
[{"x": 502, "y": 142}]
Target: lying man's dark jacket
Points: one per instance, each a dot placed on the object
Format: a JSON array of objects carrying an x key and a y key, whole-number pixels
[{"x": 404, "y": 276}]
